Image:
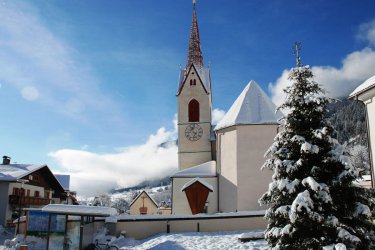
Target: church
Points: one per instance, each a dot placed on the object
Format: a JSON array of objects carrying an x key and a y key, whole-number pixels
[{"x": 219, "y": 166}]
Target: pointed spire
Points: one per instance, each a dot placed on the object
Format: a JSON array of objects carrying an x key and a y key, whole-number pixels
[{"x": 194, "y": 51}]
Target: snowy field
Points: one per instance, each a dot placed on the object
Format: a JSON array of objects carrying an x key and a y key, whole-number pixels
[{"x": 179, "y": 241}]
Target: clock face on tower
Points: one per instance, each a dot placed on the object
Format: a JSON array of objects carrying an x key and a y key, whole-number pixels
[{"x": 193, "y": 132}]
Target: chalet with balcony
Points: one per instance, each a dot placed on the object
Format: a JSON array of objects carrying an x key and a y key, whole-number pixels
[{"x": 25, "y": 186}]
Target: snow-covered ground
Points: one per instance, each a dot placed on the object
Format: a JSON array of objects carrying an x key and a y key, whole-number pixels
[
  {"x": 212, "y": 240},
  {"x": 194, "y": 240}
]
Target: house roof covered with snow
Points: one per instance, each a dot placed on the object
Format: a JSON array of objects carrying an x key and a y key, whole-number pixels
[
  {"x": 197, "y": 179},
  {"x": 79, "y": 210},
  {"x": 13, "y": 172},
  {"x": 207, "y": 169},
  {"x": 252, "y": 106},
  {"x": 64, "y": 180},
  {"x": 366, "y": 85}
]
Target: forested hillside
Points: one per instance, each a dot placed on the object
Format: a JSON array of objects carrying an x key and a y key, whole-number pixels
[{"x": 349, "y": 120}]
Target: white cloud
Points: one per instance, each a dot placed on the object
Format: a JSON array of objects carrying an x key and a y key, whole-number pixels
[
  {"x": 356, "y": 67},
  {"x": 30, "y": 93},
  {"x": 217, "y": 115},
  {"x": 93, "y": 173},
  {"x": 338, "y": 82},
  {"x": 367, "y": 32},
  {"x": 276, "y": 89}
]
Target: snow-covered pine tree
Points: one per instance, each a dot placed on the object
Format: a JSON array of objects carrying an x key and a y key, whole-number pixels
[{"x": 312, "y": 201}]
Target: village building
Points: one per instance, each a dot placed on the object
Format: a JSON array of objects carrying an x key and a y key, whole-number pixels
[
  {"x": 26, "y": 186},
  {"x": 143, "y": 204},
  {"x": 219, "y": 167},
  {"x": 69, "y": 197},
  {"x": 365, "y": 93}
]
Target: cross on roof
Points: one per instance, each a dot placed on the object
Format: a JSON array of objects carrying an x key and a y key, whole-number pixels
[{"x": 296, "y": 51}]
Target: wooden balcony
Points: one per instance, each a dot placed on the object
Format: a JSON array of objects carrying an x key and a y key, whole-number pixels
[{"x": 25, "y": 201}]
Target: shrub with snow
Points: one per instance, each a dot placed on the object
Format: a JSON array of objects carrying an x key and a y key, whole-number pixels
[{"x": 312, "y": 201}]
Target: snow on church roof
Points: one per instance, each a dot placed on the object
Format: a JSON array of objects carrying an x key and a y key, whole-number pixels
[
  {"x": 369, "y": 83},
  {"x": 192, "y": 181},
  {"x": 252, "y": 106},
  {"x": 207, "y": 169}
]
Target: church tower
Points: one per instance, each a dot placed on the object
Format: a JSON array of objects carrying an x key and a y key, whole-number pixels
[{"x": 194, "y": 105}]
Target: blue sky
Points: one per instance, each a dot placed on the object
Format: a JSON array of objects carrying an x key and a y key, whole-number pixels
[{"x": 88, "y": 87}]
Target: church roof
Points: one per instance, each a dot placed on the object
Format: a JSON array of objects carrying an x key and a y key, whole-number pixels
[
  {"x": 197, "y": 179},
  {"x": 207, "y": 169},
  {"x": 252, "y": 106},
  {"x": 366, "y": 85},
  {"x": 195, "y": 58},
  {"x": 194, "y": 54}
]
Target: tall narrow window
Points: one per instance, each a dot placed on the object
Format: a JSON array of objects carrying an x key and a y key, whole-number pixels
[
  {"x": 193, "y": 111},
  {"x": 195, "y": 82},
  {"x": 191, "y": 82}
]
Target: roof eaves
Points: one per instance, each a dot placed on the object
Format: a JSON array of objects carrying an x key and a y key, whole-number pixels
[
  {"x": 358, "y": 93},
  {"x": 197, "y": 179}
]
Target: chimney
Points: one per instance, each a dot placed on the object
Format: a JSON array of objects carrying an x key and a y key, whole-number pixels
[{"x": 6, "y": 160}]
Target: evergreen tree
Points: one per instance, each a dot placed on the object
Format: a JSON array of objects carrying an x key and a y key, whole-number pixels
[{"x": 312, "y": 201}]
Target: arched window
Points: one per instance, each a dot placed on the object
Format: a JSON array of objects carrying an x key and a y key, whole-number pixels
[
  {"x": 195, "y": 82},
  {"x": 191, "y": 82},
  {"x": 193, "y": 111}
]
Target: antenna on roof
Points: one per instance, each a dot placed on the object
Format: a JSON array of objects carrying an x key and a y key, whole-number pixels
[{"x": 296, "y": 51}]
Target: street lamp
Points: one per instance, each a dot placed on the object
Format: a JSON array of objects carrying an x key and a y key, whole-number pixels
[{"x": 22, "y": 181}]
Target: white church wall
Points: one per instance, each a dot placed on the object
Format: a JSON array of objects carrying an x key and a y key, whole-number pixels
[
  {"x": 191, "y": 159},
  {"x": 197, "y": 92},
  {"x": 143, "y": 227},
  {"x": 252, "y": 143},
  {"x": 202, "y": 147},
  {"x": 227, "y": 162},
  {"x": 180, "y": 204}
]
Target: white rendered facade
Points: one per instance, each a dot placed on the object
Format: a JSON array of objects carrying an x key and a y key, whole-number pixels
[{"x": 366, "y": 94}]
